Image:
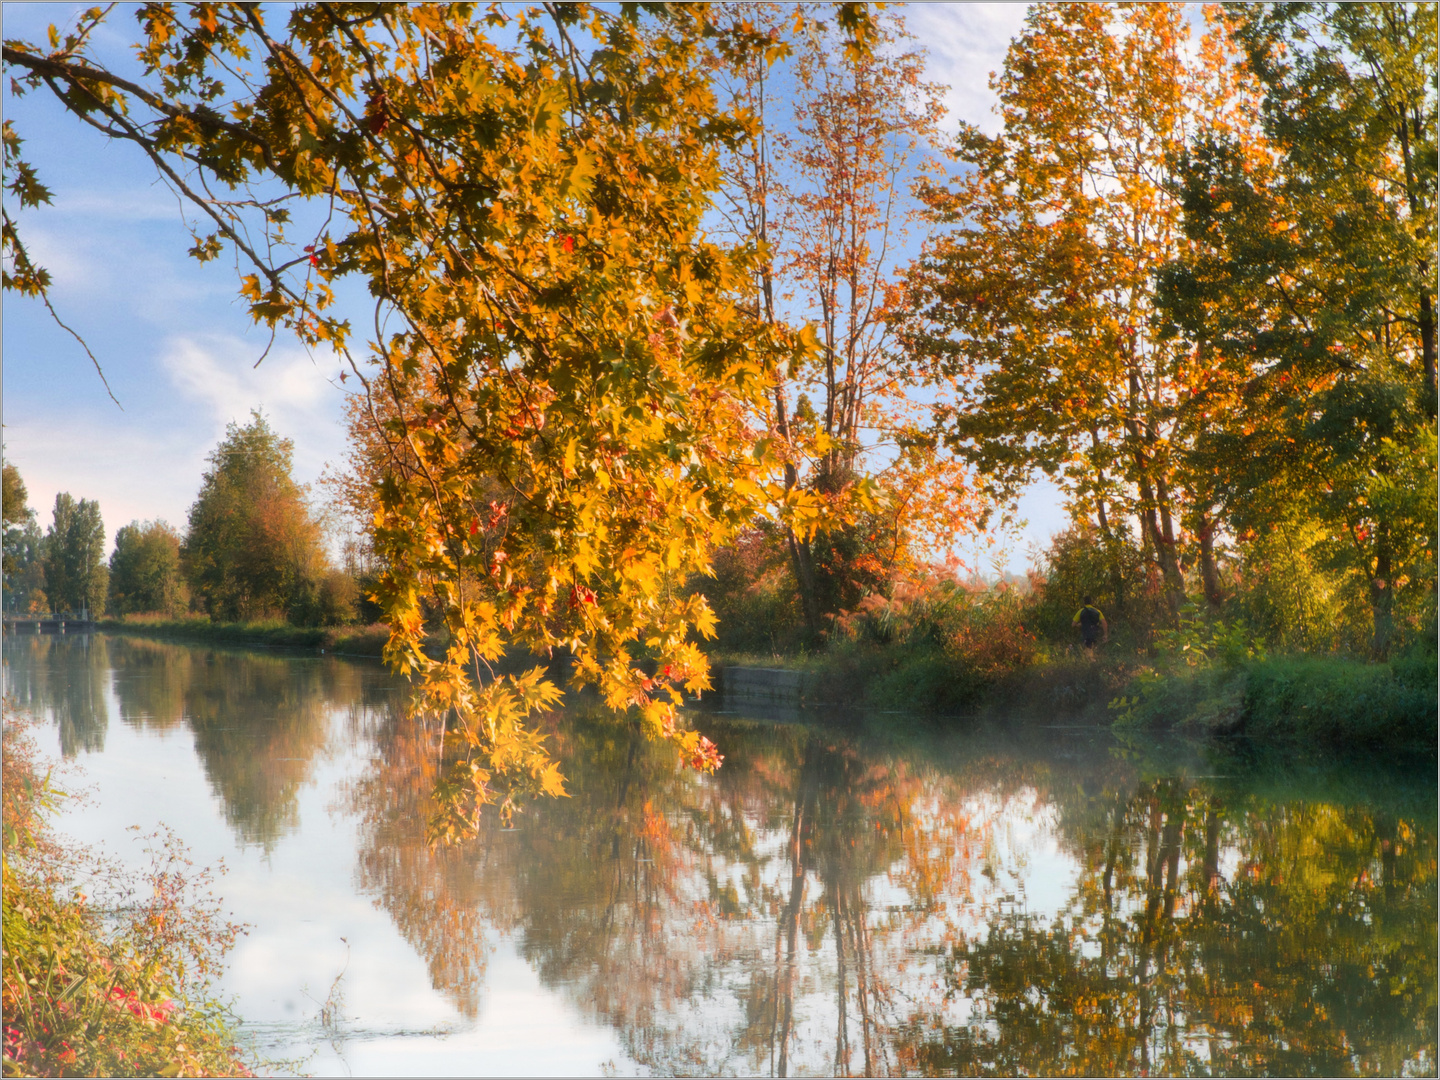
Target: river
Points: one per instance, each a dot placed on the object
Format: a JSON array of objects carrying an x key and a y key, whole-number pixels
[{"x": 848, "y": 894}]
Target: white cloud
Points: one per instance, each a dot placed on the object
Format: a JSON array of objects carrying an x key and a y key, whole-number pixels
[
  {"x": 154, "y": 203},
  {"x": 147, "y": 462},
  {"x": 133, "y": 471},
  {"x": 293, "y": 389},
  {"x": 965, "y": 43},
  {"x": 73, "y": 267}
]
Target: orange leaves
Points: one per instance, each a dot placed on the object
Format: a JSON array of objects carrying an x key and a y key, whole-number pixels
[
  {"x": 517, "y": 229},
  {"x": 706, "y": 757}
]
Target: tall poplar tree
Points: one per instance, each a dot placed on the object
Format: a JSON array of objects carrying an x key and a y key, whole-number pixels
[
  {"x": 76, "y": 578},
  {"x": 24, "y": 567}
]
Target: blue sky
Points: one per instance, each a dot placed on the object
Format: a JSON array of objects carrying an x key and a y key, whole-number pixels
[{"x": 179, "y": 349}]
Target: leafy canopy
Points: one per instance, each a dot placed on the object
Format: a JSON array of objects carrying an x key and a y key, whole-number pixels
[{"x": 558, "y": 378}]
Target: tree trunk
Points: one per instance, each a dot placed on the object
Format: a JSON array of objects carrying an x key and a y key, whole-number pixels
[
  {"x": 1209, "y": 575},
  {"x": 800, "y": 560},
  {"x": 1427, "y": 313},
  {"x": 1427, "y": 347},
  {"x": 804, "y": 566},
  {"x": 1162, "y": 537},
  {"x": 1112, "y": 546},
  {"x": 1382, "y": 595},
  {"x": 1155, "y": 497},
  {"x": 1112, "y": 557}
]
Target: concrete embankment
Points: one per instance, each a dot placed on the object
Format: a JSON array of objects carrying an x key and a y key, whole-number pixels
[{"x": 768, "y": 684}]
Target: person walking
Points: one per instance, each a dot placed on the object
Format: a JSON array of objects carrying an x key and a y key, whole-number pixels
[{"x": 1091, "y": 621}]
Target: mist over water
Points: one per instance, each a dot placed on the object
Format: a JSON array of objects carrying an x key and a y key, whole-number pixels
[{"x": 864, "y": 895}]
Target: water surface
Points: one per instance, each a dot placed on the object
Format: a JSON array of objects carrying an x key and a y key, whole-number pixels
[{"x": 846, "y": 895}]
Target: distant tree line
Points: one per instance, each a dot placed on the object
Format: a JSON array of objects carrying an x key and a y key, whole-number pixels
[{"x": 253, "y": 548}]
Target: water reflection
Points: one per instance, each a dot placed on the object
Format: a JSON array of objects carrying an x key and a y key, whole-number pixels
[
  {"x": 867, "y": 899},
  {"x": 259, "y": 721},
  {"x": 841, "y": 903},
  {"x": 1212, "y": 931},
  {"x": 433, "y": 895},
  {"x": 66, "y": 676}
]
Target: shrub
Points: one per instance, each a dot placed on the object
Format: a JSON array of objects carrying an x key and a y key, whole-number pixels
[
  {"x": 753, "y": 595},
  {"x": 944, "y": 642},
  {"x": 1332, "y": 700},
  {"x": 88, "y": 991}
]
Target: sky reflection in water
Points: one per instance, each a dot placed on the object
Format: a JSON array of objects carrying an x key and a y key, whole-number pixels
[{"x": 869, "y": 897}]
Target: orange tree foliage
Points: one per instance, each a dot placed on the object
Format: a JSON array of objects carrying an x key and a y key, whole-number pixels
[
  {"x": 826, "y": 193},
  {"x": 522, "y": 192},
  {"x": 1035, "y": 300}
]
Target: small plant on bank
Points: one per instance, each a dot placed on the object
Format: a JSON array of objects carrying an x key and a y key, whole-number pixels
[{"x": 118, "y": 985}]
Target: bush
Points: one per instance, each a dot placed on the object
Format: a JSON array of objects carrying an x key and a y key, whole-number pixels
[
  {"x": 338, "y": 598},
  {"x": 935, "y": 644},
  {"x": 93, "y": 992},
  {"x": 1331, "y": 700},
  {"x": 754, "y": 597}
]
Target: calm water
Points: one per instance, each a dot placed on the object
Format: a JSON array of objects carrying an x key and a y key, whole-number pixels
[{"x": 877, "y": 896}]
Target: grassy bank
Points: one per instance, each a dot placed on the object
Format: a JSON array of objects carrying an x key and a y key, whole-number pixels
[
  {"x": 103, "y": 985},
  {"x": 339, "y": 640},
  {"x": 1335, "y": 700}
]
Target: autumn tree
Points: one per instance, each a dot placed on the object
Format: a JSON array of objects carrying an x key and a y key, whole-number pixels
[
  {"x": 823, "y": 187},
  {"x": 1308, "y": 284},
  {"x": 76, "y": 578},
  {"x": 145, "y": 571},
  {"x": 17, "y": 513},
  {"x": 252, "y": 549},
  {"x": 1034, "y": 303},
  {"x": 23, "y": 547},
  {"x": 16, "y": 498},
  {"x": 522, "y": 192}
]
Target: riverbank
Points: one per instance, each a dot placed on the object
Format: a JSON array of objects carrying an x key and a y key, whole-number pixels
[
  {"x": 102, "y": 985},
  {"x": 1327, "y": 701},
  {"x": 358, "y": 641},
  {"x": 1333, "y": 701}
]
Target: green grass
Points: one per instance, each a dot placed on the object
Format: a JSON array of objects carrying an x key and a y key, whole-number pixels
[
  {"x": 1332, "y": 701},
  {"x": 340, "y": 640}
]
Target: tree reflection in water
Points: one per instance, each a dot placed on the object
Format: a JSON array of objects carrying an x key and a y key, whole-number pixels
[
  {"x": 828, "y": 903},
  {"x": 851, "y": 900},
  {"x": 1213, "y": 931},
  {"x": 259, "y": 721},
  {"x": 64, "y": 675}
]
